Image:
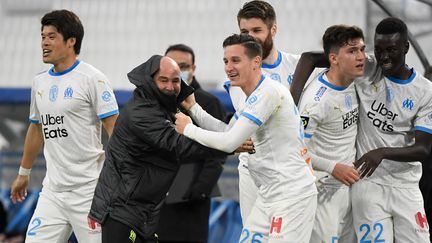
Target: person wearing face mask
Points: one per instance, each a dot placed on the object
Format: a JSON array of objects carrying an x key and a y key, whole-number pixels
[
  {"x": 144, "y": 154},
  {"x": 186, "y": 220}
]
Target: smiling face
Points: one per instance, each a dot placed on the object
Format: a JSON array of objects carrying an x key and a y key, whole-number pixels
[
  {"x": 256, "y": 28},
  {"x": 390, "y": 51},
  {"x": 238, "y": 66},
  {"x": 55, "y": 50},
  {"x": 167, "y": 79}
]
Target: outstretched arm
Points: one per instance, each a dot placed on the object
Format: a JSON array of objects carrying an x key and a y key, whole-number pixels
[
  {"x": 307, "y": 63},
  {"x": 420, "y": 151}
]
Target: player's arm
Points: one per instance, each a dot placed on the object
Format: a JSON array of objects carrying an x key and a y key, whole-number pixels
[
  {"x": 32, "y": 145},
  {"x": 307, "y": 63},
  {"x": 108, "y": 123},
  {"x": 419, "y": 151}
]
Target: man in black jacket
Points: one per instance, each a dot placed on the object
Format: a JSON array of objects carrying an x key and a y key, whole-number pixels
[
  {"x": 142, "y": 157},
  {"x": 187, "y": 221}
]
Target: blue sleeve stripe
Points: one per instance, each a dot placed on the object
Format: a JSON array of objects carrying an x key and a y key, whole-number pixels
[
  {"x": 423, "y": 129},
  {"x": 236, "y": 116},
  {"x": 252, "y": 118},
  {"x": 34, "y": 121},
  {"x": 308, "y": 135},
  {"x": 111, "y": 113}
]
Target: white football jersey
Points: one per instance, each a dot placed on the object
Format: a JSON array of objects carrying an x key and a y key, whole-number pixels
[
  {"x": 70, "y": 105},
  {"x": 280, "y": 166},
  {"x": 281, "y": 71},
  {"x": 329, "y": 115},
  {"x": 391, "y": 110}
]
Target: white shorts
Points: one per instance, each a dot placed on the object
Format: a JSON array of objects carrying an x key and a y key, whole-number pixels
[
  {"x": 57, "y": 214},
  {"x": 388, "y": 214},
  {"x": 333, "y": 220},
  {"x": 282, "y": 221},
  {"x": 248, "y": 191}
]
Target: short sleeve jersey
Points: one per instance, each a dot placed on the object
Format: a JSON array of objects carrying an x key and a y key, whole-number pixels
[
  {"x": 391, "y": 110},
  {"x": 329, "y": 115},
  {"x": 70, "y": 105},
  {"x": 281, "y": 165}
]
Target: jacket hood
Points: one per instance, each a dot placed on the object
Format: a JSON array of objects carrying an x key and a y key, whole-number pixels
[{"x": 142, "y": 77}]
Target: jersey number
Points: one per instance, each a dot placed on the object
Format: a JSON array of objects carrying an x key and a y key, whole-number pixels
[
  {"x": 376, "y": 227},
  {"x": 36, "y": 223},
  {"x": 254, "y": 237}
]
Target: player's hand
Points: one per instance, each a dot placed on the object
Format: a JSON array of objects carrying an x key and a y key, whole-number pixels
[
  {"x": 181, "y": 122},
  {"x": 188, "y": 102},
  {"x": 19, "y": 189},
  {"x": 346, "y": 174},
  {"x": 247, "y": 146},
  {"x": 368, "y": 163}
]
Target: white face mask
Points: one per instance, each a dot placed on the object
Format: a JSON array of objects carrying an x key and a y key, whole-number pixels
[{"x": 185, "y": 76}]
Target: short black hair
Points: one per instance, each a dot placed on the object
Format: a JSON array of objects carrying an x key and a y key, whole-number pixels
[
  {"x": 253, "y": 48},
  {"x": 183, "y": 48},
  {"x": 337, "y": 36},
  {"x": 258, "y": 9},
  {"x": 68, "y": 24},
  {"x": 392, "y": 25}
]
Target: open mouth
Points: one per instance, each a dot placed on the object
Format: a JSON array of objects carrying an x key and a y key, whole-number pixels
[{"x": 45, "y": 52}]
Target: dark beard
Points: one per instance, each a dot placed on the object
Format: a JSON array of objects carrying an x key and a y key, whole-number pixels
[{"x": 267, "y": 46}]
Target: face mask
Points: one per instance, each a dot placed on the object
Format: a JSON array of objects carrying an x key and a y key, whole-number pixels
[{"x": 185, "y": 76}]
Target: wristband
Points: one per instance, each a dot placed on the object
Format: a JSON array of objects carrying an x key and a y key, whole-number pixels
[{"x": 23, "y": 171}]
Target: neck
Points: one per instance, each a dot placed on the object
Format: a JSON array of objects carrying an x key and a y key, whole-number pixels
[
  {"x": 65, "y": 64},
  {"x": 338, "y": 78},
  {"x": 253, "y": 82},
  {"x": 272, "y": 57},
  {"x": 403, "y": 74}
]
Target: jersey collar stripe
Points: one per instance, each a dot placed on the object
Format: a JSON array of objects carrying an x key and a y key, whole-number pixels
[
  {"x": 332, "y": 86},
  {"x": 401, "y": 81},
  {"x": 52, "y": 73},
  {"x": 227, "y": 85},
  {"x": 278, "y": 61}
]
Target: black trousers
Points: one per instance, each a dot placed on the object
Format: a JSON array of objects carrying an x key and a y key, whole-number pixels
[{"x": 114, "y": 231}]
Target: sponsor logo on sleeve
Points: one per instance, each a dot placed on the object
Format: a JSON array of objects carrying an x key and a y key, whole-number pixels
[
  {"x": 106, "y": 96},
  {"x": 251, "y": 100},
  {"x": 305, "y": 121},
  {"x": 320, "y": 93}
]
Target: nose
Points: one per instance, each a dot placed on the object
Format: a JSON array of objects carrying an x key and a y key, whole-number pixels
[{"x": 169, "y": 86}]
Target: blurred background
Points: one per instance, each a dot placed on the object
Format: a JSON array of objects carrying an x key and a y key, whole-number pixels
[{"x": 120, "y": 35}]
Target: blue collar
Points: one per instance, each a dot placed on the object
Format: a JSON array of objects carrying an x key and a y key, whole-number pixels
[
  {"x": 278, "y": 61},
  {"x": 52, "y": 73},
  {"x": 401, "y": 81}
]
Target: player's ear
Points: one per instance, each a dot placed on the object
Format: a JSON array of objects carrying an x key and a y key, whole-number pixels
[
  {"x": 273, "y": 30},
  {"x": 333, "y": 58},
  {"x": 407, "y": 46}
]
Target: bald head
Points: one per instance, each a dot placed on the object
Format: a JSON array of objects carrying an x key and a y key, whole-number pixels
[{"x": 167, "y": 79}]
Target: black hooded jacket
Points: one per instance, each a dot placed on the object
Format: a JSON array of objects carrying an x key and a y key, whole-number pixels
[{"x": 143, "y": 154}]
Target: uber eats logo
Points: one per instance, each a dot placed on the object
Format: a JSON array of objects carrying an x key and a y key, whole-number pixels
[
  {"x": 51, "y": 126},
  {"x": 380, "y": 115}
]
